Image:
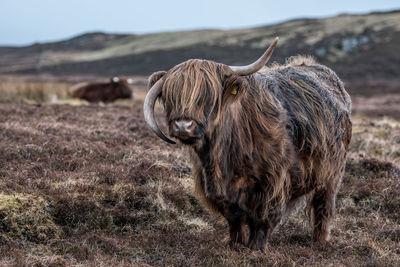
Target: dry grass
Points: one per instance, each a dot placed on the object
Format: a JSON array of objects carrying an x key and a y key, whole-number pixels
[
  {"x": 91, "y": 185},
  {"x": 379, "y": 138},
  {"x": 33, "y": 91}
]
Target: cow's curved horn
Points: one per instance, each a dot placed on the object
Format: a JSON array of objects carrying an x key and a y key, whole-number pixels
[
  {"x": 148, "y": 109},
  {"x": 257, "y": 65}
]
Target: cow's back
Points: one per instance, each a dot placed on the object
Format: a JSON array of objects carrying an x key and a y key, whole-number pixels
[{"x": 317, "y": 108}]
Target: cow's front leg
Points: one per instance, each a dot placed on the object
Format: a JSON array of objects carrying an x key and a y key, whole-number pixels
[
  {"x": 237, "y": 222},
  {"x": 258, "y": 234},
  {"x": 236, "y": 219},
  {"x": 260, "y": 230}
]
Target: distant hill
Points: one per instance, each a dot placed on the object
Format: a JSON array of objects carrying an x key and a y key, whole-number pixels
[{"x": 357, "y": 47}]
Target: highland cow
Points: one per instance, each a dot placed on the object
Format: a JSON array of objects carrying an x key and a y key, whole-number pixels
[
  {"x": 260, "y": 139},
  {"x": 103, "y": 91}
]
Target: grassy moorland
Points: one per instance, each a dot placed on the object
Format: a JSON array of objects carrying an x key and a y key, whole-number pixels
[{"x": 92, "y": 185}]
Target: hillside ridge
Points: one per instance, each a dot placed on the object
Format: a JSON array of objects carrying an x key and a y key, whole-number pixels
[{"x": 350, "y": 44}]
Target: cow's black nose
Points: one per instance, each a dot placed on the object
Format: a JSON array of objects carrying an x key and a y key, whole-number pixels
[
  {"x": 184, "y": 128},
  {"x": 184, "y": 125}
]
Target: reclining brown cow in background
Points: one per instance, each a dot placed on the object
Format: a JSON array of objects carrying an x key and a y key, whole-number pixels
[
  {"x": 260, "y": 139},
  {"x": 103, "y": 91}
]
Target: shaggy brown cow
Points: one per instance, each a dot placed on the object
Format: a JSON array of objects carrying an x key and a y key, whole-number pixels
[
  {"x": 260, "y": 139},
  {"x": 103, "y": 91}
]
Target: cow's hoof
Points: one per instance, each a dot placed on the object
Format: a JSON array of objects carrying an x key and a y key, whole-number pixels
[
  {"x": 256, "y": 246},
  {"x": 322, "y": 238}
]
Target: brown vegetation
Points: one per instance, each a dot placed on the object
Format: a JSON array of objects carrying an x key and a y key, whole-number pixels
[
  {"x": 93, "y": 185},
  {"x": 37, "y": 91}
]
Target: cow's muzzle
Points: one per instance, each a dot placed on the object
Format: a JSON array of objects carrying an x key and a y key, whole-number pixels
[{"x": 188, "y": 131}]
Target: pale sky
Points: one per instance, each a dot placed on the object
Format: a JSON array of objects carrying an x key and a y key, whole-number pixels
[{"x": 24, "y": 22}]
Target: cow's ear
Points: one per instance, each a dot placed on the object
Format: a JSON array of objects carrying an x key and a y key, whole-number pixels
[
  {"x": 234, "y": 87},
  {"x": 155, "y": 77}
]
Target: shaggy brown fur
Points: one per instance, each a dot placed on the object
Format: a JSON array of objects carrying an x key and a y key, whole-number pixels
[
  {"x": 103, "y": 92},
  {"x": 264, "y": 140}
]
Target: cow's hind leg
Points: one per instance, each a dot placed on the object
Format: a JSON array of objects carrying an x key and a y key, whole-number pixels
[
  {"x": 323, "y": 209},
  {"x": 322, "y": 212}
]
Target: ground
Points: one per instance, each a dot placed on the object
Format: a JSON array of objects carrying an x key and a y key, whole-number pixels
[{"x": 92, "y": 185}]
